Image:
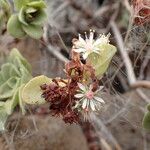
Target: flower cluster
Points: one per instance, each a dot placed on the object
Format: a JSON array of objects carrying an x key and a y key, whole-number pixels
[
  {"x": 89, "y": 45},
  {"x": 88, "y": 99},
  {"x": 78, "y": 94}
]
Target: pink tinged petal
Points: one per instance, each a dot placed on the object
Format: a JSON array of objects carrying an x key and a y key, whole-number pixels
[
  {"x": 99, "y": 99},
  {"x": 97, "y": 105},
  {"x": 91, "y": 37},
  {"x": 84, "y": 105},
  {"x": 79, "y": 50},
  {"x": 97, "y": 42},
  {"x": 85, "y": 55},
  {"x": 82, "y": 87},
  {"x": 82, "y": 41},
  {"x": 92, "y": 105},
  {"x": 79, "y": 95},
  {"x": 91, "y": 87},
  {"x": 88, "y": 103}
]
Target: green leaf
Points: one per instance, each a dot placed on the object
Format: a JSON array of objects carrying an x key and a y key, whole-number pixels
[
  {"x": 26, "y": 76},
  {"x": 14, "y": 27},
  {"x": 32, "y": 93},
  {"x": 21, "y": 102},
  {"x": 20, "y": 3},
  {"x": 15, "y": 54},
  {"x": 39, "y": 4},
  {"x": 10, "y": 104},
  {"x": 33, "y": 31},
  {"x": 5, "y": 71},
  {"x": 40, "y": 18},
  {"x": 4, "y": 5},
  {"x": 3, "y": 118},
  {"x": 148, "y": 107},
  {"x": 13, "y": 74},
  {"x": 146, "y": 121},
  {"x": 101, "y": 61},
  {"x": 6, "y": 91},
  {"x": 22, "y": 17}
]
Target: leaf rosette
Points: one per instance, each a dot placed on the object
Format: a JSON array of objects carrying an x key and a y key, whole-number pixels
[
  {"x": 14, "y": 73},
  {"x": 29, "y": 19}
]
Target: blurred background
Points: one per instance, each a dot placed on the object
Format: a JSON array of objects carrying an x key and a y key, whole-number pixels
[{"x": 119, "y": 125}]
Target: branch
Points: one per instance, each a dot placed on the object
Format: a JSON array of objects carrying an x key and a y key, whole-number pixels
[
  {"x": 50, "y": 48},
  {"x": 142, "y": 83},
  {"x": 134, "y": 83},
  {"x": 124, "y": 54}
]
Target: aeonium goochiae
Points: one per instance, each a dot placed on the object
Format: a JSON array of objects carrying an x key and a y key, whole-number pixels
[
  {"x": 79, "y": 94},
  {"x": 28, "y": 19}
]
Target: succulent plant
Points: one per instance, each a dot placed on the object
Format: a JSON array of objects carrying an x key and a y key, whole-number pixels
[
  {"x": 5, "y": 12},
  {"x": 146, "y": 119},
  {"x": 28, "y": 20},
  {"x": 14, "y": 73}
]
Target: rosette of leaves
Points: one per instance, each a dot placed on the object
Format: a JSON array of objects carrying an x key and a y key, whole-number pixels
[
  {"x": 29, "y": 19},
  {"x": 5, "y": 12},
  {"x": 100, "y": 62},
  {"x": 14, "y": 73},
  {"x": 146, "y": 119}
]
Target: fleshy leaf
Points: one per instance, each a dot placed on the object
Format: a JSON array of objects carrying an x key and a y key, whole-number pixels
[
  {"x": 11, "y": 104},
  {"x": 6, "y": 91},
  {"x": 146, "y": 121},
  {"x": 14, "y": 73},
  {"x": 21, "y": 16},
  {"x": 148, "y": 107},
  {"x": 32, "y": 93},
  {"x": 40, "y": 18},
  {"x": 101, "y": 61},
  {"x": 33, "y": 31},
  {"x": 39, "y": 4},
  {"x": 20, "y": 3},
  {"x": 14, "y": 27},
  {"x": 3, "y": 118},
  {"x": 15, "y": 53},
  {"x": 21, "y": 103}
]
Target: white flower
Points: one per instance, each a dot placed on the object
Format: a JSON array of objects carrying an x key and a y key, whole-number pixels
[
  {"x": 89, "y": 45},
  {"x": 88, "y": 99}
]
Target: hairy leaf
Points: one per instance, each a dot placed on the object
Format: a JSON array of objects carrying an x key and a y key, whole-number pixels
[
  {"x": 146, "y": 121},
  {"x": 14, "y": 27},
  {"x": 33, "y": 31},
  {"x": 101, "y": 61},
  {"x": 32, "y": 93}
]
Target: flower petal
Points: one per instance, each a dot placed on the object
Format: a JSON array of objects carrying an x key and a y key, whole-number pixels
[
  {"x": 82, "y": 41},
  {"x": 79, "y": 95},
  {"x": 92, "y": 105},
  {"x": 85, "y": 55},
  {"x": 82, "y": 87},
  {"x": 84, "y": 105},
  {"x": 80, "y": 50},
  {"x": 99, "y": 99}
]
